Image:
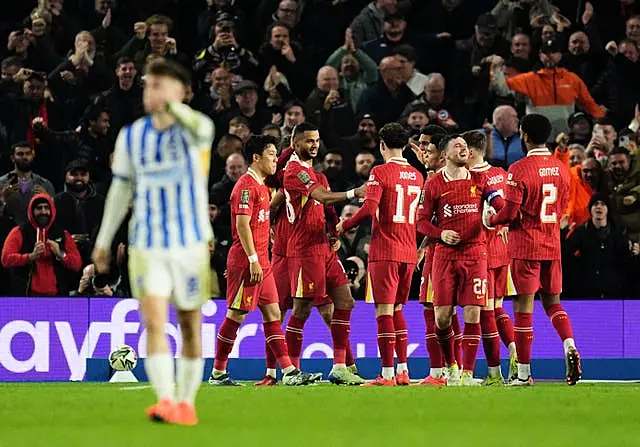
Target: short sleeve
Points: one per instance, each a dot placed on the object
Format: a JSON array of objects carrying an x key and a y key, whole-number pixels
[
  {"x": 121, "y": 167},
  {"x": 242, "y": 199},
  {"x": 515, "y": 186},
  {"x": 297, "y": 178},
  {"x": 374, "y": 187}
]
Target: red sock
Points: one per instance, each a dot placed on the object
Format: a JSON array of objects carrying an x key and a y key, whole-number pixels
[
  {"x": 505, "y": 326},
  {"x": 275, "y": 340},
  {"x": 224, "y": 343},
  {"x": 270, "y": 357},
  {"x": 490, "y": 337},
  {"x": 402, "y": 336},
  {"x": 294, "y": 339},
  {"x": 523, "y": 332},
  {"x": 349, "y": 357},
  {"x": 445, "y": 339},
  {"x": 340, "y": 328},
  {"x": 560, "y": 321},
  {"x": 470, "y": 343},
  {"x": 386, "y": 339},
  {"x": 436, "y": 359},
  {"x": 457, "y": 332}
]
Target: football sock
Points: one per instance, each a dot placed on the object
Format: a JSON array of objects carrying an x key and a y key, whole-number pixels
[
  {"x": 224, "y": 344},
  {"x": 494, "y": 371},
  {"x": 457, "y": 345},
  {"x": 189, "y": 372},
  {"x": 340, "y": 328},
  {"x": 523, "y": 332},
  {"x": 445, "y": 339},
  {"x": 294, "y": 339},
  {"x": 505, "y": 327},
  {"x": 490, "y": 337},
  {"x": 470, "y": 343},
  {"x": 402, "y": 339},
  {"x": 386, "y": 342},
  {"x": 275, "y": 340},
  {"x": 349, "y": 355},
  {"x": 159, "y": 368},
  {"x": 562, "y": 324},
  {"x": 524, "y": 371},
  {"x": 436, "y": 361},
  {"x": 270, "y": 358}
]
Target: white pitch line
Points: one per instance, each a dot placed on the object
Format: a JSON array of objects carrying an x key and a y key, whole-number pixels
[{"x": 133, "y": 388}]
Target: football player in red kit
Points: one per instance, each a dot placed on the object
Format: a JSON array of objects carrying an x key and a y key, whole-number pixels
[
  {"x": 537, "y": 193},
  {"x": 392, "y": 197}
]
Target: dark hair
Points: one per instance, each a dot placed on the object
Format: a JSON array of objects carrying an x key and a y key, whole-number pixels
[
  {"x": 271, "y": 126},
  {"x": 420, "y": 107},
  {"x": 294, "y": 103},
  {"x": 433, "y": 129},
  {"x": 256, "y": 144},
  {"x": 407, "y": 51},
  {"x": 304, "y": 127},
  {"x": 275, "y": 25},
  {"x": 476, "y": 140},
  {"x": 159, "y": 19},
  {"x": 230, "y": 137},
  {"x": 537, "y": 127},
  {"x": 124, "y": 60},
  {"x": 619, "y": 151},
  {"x": 92, "y": 113},
  {"x": 12, "y": 61},
  {"x": 239, "y": 120},
  {"x": 20, "y": 144},
  {"x": 170, "y": 69},
  {"x": 599, "y": 197},
  {"x": 394, "y": 136},
  {"x": 607, "y": 120},
  {"x": 446, "y": 139}
]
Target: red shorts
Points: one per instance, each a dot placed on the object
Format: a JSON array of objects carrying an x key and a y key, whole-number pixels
[
  {"x": 311, "y": 277},
  {"x": 280, "y": 268},
  {"x": 498, "y": 282},
  {"x": 461, "y": 282},
  {"x": 530, "y": 277},
  {"x": 244, "y": 296},
  {"x": 388, "y": 282}
]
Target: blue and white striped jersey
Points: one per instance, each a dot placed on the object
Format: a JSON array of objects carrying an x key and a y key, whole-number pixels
[{"x": 168, "y": 171}]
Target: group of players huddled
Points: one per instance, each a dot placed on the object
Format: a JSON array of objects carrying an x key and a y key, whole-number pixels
[{"x": 486, "y": 234}]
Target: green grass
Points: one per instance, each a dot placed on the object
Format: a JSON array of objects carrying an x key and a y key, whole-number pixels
[{"x": 547, "y": 415}]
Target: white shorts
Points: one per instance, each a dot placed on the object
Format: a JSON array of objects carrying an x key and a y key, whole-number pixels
[{"x": 181, "y": 274}]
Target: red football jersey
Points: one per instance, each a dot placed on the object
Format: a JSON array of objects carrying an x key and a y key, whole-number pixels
[
  {"x": 250, "y": 197},
  {"x": 497, "y": 249},
  {"x": 457, "y": 205},
  {"x": 393, "y": 195},
  {"x": 539, "y": 183},
  {"x": 282, "y": 224},
  {"x": 307, "y": 235}
]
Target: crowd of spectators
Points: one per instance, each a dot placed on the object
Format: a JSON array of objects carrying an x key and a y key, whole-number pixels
[{"x": 72, "y": 77}]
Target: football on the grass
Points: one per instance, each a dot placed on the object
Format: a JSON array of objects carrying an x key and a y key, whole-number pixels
[{"x": 123, "y": 359}]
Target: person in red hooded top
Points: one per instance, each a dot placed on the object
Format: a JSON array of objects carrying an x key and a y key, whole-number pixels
[{"x": 40, "y": 254}]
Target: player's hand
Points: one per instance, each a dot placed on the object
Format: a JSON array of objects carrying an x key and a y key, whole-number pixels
[
  {"x": 504, "y": 234},
  {"x": 256, "y": 272},
  {"x": 360, "y": 190},
  {"x": 101, "y": 258},
  {"x": 629, "y": 200},
  {"x": 450, "y": 237},
  {"x": 335, "y": 244},
  {"x": 487, "y": 213},
  {"x": 38, "y": 251}
]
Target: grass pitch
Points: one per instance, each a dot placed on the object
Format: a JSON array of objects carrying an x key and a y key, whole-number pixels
[{"x": 547, "y": 415}]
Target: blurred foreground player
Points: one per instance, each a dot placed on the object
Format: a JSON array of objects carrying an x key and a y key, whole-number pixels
[
  {"x": 314, "y": 268},
  {"x": 392, "y": 197},
  {"x": 164, "y": 158},
  {"x": 250, "y": 281},
  {"x": 459, "y": 272},
  {"x": 537, "y": 192}
]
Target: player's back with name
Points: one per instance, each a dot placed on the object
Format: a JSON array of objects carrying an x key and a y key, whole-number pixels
[
  {"x": 250, "y": 198},
  {"x": 458, "y": 206},
  {"x": 541, "y": 183},
  {"x": 397, "y": 186}
]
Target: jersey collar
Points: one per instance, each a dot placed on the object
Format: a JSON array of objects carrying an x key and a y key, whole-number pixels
[
  {"x": 484, "y": 166},
  {"x": 255, "y": 176},
  {"x": 448, "y": 179},
  {"x": 398, "y": 160},
  {"x": 539, "y": 151}
]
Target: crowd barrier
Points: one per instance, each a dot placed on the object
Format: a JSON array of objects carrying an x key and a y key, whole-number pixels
[{"x": 69, "y": 339}]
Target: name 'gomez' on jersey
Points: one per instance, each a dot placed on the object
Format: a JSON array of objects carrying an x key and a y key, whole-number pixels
[
  {"x": 250, "y": 197},
  {"x": 539, "y": 184},
  {"x": 458, "y": 206}
]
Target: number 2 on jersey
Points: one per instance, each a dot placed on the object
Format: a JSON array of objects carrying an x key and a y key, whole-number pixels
[
  {"x": 549, "y": 197},
  {"x": 399, "y": 216}
]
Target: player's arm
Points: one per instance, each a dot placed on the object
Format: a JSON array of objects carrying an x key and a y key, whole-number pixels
[
  {"x": 372, "y": 197},
  {"x": 297, "y": 179},
  {"x": 276, "y": 202},
  {"x": 199, "y": 125},
  {"x": 425, "y": 224},
  {"x": 245, "y": 235},
  {"x": 118, "y": 201},
  {"x": 326, "y": 197}
]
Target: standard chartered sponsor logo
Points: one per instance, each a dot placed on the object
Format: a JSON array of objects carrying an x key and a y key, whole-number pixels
[
  {"x": 447, "y": 210},
  {"x": 465, "y": 208}
]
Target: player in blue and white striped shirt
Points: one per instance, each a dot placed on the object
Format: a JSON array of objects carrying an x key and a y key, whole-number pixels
[{"x": 161, "y": 163}]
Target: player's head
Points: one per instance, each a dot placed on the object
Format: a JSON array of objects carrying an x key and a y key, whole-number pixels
[
  {"x": 306, "y": 141},
  {"x": 477, "y": 143},
  {"x": 455, "y": 150},
  {"x": 262, "y": 154},
  {"x": 393, "y": 139},
  {"x": 164, "y": 81},
  {"x": 430, "y": 136},
  {"x": 535, "y": 130}
]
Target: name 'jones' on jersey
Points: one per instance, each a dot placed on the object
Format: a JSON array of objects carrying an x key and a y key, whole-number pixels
[{"x": 168, "y": 170}]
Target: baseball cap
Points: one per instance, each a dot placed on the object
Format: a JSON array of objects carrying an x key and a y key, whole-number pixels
[
  {"x": 365, "y": 116},
  {"x": 394, "y": 16},
  {"x": 487, "y": 21},
  {"x": 550, "y": 46},
  {"x": 79, "y": 164},
  {"x": 224, "y": 17},
  {"x": 245, "y": 85},
  {"x": 578, "y": 116}
]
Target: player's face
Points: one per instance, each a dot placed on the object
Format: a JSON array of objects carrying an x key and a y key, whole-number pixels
[
  {"x": 307, "y": 145},
  {"x": 458, "y": 152},
  {"x": 268, "y": 162},
  {"x": 159, "y": 90}
]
